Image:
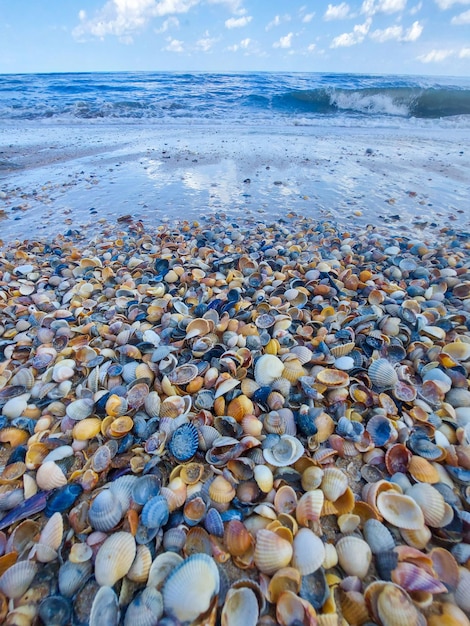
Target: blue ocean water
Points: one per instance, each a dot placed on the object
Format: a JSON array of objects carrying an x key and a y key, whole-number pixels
[{"x": 246, "y": 98}]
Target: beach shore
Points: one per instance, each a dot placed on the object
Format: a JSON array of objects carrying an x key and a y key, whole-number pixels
[{"x": 55, "y": 178}]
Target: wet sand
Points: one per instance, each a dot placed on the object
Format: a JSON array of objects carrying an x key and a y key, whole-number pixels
[{"x": 55, "y": 178}]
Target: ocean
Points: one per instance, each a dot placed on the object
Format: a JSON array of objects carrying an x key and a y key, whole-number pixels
[
  {"x": 389, "y": 151},
  {"x": 248, "y": 98}
]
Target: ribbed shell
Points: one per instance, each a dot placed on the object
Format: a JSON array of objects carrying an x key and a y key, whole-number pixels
[
  {"x": 145, "y": 610},
  {"x": 271, "y": 552},
  {"x": 155, "y": 512},
  {"x": 382, "y": 374},
  {"x": 267, "y": 368},
  {"x": 161, "y": 568},
  {"x": 17, "y": 578},
  {"x": 114, "y": 558},
  {"x": 50, "y": 476},
  {"x": 400, "y": 510},
  {"x": 240, "y": 608},
  {"x": 197, "y": 581},
  {"x": 354, "y": 556},
  {"x": 105, "y": 608},
  {"x": 72, "y": 576},
  {"x": 309, "y": 552},
  {"x": 378, "y": 536},
  {"x": 105, "y": 511}
]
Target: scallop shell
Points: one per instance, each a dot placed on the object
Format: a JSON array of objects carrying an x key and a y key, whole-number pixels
[
  {"x": 430, "y": 501},
  {"x": 105, "y": 608},
  {"x": 50, "y": 476},
  {"x": 333, "y": 378},
  {"x": 285, "y": 452},
  {"x": 413, "y": 578},
  {"x": 271, "y": 552},
  {"x": 105, "y": 511},
  {"x": 309, "y": 507},
  {"x": 140, "y": 567},
  {"x": 80, "y": 409},
  {"x": 52, "y": 533},
  {"x": 308, "y": 552},
  {"x": 145, "y": 610},
  {"x": 390, "y": 605},
  {"x": 400, "y": 510},
  {"x": 382, "y": 374},
  {"x": 161, "y": 568},
  {"x": 354, "y": 555},
  {"x": 237, "y": 538},
  {"x": 240, "y": 608},
  {"x": 17, "y": 578},
  {"x": 184, "y": 442},
  {"x": 114, "y": 558},
  {"x": 155, "y": 512},
  {"x": 221, "y": 491},
  {"x": 152, "y": 404},
  {"x": 197, "y": 581},
  {"x": 268, "y": 367},
  {"x": 293, "y": 369},
  {"x": 334, "y": 483},
  {"x": 175, "y": 406},
  {"x": 72, "y": 576},
  {"x": 378, "y": 536}
]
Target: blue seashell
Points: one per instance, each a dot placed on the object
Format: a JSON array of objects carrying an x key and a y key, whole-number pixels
[
  {"x": 184, "y": 442},
  {"x": 261, "y": 394},
  {"x": 200, "y": 309},
  {"x": 3, "y": 421},
  {"x": 144, "y": 535},
  {"x": 29, "y": 507},
  {"x": 213, "y": 523},
  {"x": 18, "y": 454},
  {"x": 155, "y": 513},
  {"x": 306, "y": 421},
  {"x": 314, "y": 588},
  {"x": 125, "y": 443},
  {"x": 55, "y": 610},
  {"x": 62, "y": 499},
  {"x": 145, "y": 488},
  {"x": 231, "y": 514},
  {"x": 459, "y": 474},
  {"x": 349, "y": 429},
  {"x": 162, "y": 266}
]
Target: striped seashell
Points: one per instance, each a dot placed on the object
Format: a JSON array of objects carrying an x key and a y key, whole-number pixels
[
  {"x": 378, "y": 536},
  {"x": 50, "y": 476},
  {"x": 268, "y": 367},
  {"x": 163, "y": 565},
  {"x": 146, "y": 609},
  {"x": 272, "y": 552},
  {"x": 52, "y": 533},
  {"x": 342, "y": 349},
  {"x": 17, "y": 578},
  {"x": 152, "y": 404},
  {"x": 123, "y": 489},
  {"x": 382, "y": 374},
  {"x": 240, "y": 608},
  {"x": 309, "y": 507},
  {"x": 334, "y": 483},
  {"x": 80, "y": 409},
  {"x": 140, "y": 567},
  {"x": 105, "y": 511},
  {"x": 114, "y": 558},
  {"x": 308, "y": 552},
  {"x": 303, "y": 353},
  {"x": 155, "y": 512},
  {"x": 105, "y": 608},
  {"x": 430, "y": 501},
  {"x": 72, "y": 576},
  {"x": 354, "y": 555},
  {"x": 293, "y": 369},
  {"x": 221, "y": 491}
]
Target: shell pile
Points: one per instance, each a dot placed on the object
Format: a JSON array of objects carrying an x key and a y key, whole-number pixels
[{"x": 239, "y": 423}]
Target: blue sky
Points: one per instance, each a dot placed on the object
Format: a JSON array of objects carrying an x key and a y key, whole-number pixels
[{"x": 366, "y": 36}]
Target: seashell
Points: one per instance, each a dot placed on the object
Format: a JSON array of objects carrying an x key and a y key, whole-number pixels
[
  {"x": 422, "y": 470},
  {"x": 50, "y": 476},
  {"x": 285, "y": 500},
  {"x": 140, "y": 567},
  {"x": 291, "y": 610},
  {"x": 15, "y": 406},
  {"x": 213, "y": 523},
  {"x": 80, "y": 409},
  {"x": 458, "y": 350},
  {"x": 226, "y": 385},
  {"x": 86, "y": 428},
  {"x": 197, "y": 580},
  {"x": 309, "y": 507},
  {"x": 237, "y": 538},
  {"x": 184, "y": 442},
  {"x": 285, "y": 579},
  {"x": 333, "y": 378},
  {"x": 461, "y": 594},
  {"x": 114, "y": 558},
  {"x": 145, "y": 609},
  {"x": 17, "y": 579},
  {"x": 416, "y": 538},
  {"x": 240, "y": 608},
  {"x": 80, "y": 553},
  {"x": 334, "y": 483},
  {"x": 239, "y": 407},
  {"x": 155, "y": 513},
  {"x": 123, "y": 488},
  {"x": 105, "y": 511},
  {"x": 52, "y": 533},
  {"x": 268, "y": 367},
  {"x": 285, "y": 452},
  {"x": 303, "y": 353},
  {"x": 194, "y": 510},
  {"x": 308, "y": 552},
  {"x": 382, "y": 374},
  {"x": 293, "y": 369},
  {"x": 343, "y": 349},
  {"x": 390, "y": 605},
  {"x": 311, "y": 478},
  {"x": 221, "y": 491},
  {"x": 264, "y": 478},
  {"x": 105, "y": 608},
  {"x": 413, "y": 578},
  {"x": 23, "y": 377},
  {"x": 430, "y": 501},
  {"x": 72, "y": 576},
  {"x": 348, "y": 522},
  {"x": 354, "y": 555},
  {"x": 152, "y": 404},
  {"x": 55, "y": 610},
  {"x": 378, "y": 536},
  {"x": 175, "y": 406},
  {"x": 162, "y": 566},
  {"x": 272, "y": 552},
  {"x": 400, "y": 510},
  {"x": 191, "y": 473},
  {"x": 381, "y": 430},
  {"x": 198, "y": 328}
]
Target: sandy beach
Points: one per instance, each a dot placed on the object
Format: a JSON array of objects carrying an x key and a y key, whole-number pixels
[{"x": 53, "y": 178}]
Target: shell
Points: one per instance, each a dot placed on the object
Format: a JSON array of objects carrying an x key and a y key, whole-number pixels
[
  {"x": 430, "y": 501},
  {"x": 80, "y": 409},
  {"x": 198, "y": 328},
  {"x": 392, "y": 606},
  {"x": 86, "y": 429},
  {"x": 114, "y": 558},
  {"x": 309, "y": 507},
  {"x": 285, "y": 452},
  {"x": 308, "y": 552},
  {"x": 105, "y": 608},
  {"x": 271, "y": 552},
  {"x": 161, "y": 568},
  {"x": 237, "y": 539},
  {"x": 333, "y": 378},
  {"x": 52, "y": 533},
  {"x": 240, "y": 608},
  {"x": 293, "y": 369},
  {"x": 144, "y": 488},
  {"x": 105, "y": 511},
  {"x": 197, "y": 580},
  {"x": 221, "y": 491},
  {"x": 145, "y": 609},
  {"x": 140, "y": 567},
  {"x": 264, "y": 478},
  {"x": 267, "y": 368},
  {"x": 17, "y": 579},
  {"x": 354, "y": 556},
  {"x": 50, "y": 476},
  {"x": 152, "y": 404},
  {"x": 400, "y": 510},
  {"x": 174, "y": 406},
  {"x": 155, "y": 513},
  {"x": 72, "y": 576},
  {"x": 382, "y": 374},
  {"x": 413, "y": 578},
  {"x": 334, "y": 483},
  {"x": 378, "y": 536},
  {"x": 184, "y": 442}
]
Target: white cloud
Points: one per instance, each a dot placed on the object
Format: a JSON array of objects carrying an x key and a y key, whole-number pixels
[
  {"x": 206, "y": 42},
  {"x": 167, "y": 24},
  {"x": 234, "y": 6},
  {"x": 414, "y": 32},
  {"x": 416, "y": 9},
  {"x": 284, "y": 42},
  {"x": 308, "y": 17},
  {"x": 174, "y": 45},
  {"x": 244, "y": 44},
  {"x": 447, "y": 4},
  {"x": 371, "y": 7},
  {"x": 351, "y": 39},
  {"x": 464, "y": 53},
  {"x": 463, "y": 18},
  {"x": 238, "y": 22},
  {"x": 123, "y": 17},
  {"x": 435, "y": 56},
  {"x": 336, "y": 11},
  {"x": 278, "y": 19},
  {"x": 397, "y": 33},
  {"x": 311, "y": 47}
]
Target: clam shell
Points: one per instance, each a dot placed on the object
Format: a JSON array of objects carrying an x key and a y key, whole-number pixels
[
  {"x": 268, "y": 367},
  {"x": 390, "y": 605},
  {"x": 413, "y": 578},
  {"x": 114, "y": 558},
  {"x": 17, "y": 579},
  {"x": 80, "y": 409},
  {"x": 105, "y": 608},
  {"x": 382, "y": 374},
  {"x": 152, "y": 404},
  {"x": 155, "y": 512},
  {"x": 184, "y": 442},
  {"x": 221, "y": 491},
  {"x": 72, "y": 576},
  {"x": 430, "y": 501},
  {"x": 105, "y": 511},
  {"x": 145, "y": 610},
  {"x": 240, "y": 608},
  {"x": 237, "y": 538},
  {"x": 334, "y": 483},
  {"x": 50, "y": 476},
  {"x": 308, "y": 552},
  {"x": 400, "y": 510},
  {"x": 196, "y": 580},
  {"x": 161, "y": 568},
  {"x": 354, "y": 556},
  {"x": 309, "y": 507},
  {"x": 333, "y": 378},
  {"x": 271, "y": 552},
  {"x": 458, "y": 350},
  {"x": 264, "y": 478},
  {"x": 378, "y": 536},
  {"x": 140, "y": 567},
  {"x": 285, "y": 452},
  {"x": 52, "y": 532}
]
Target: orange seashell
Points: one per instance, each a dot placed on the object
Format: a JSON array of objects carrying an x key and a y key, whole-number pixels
[
  {"x": 221, "y": 491},
  {"x": 237, "y": 538},
  {"x": 239, "y": 407},
  {"x": 422, "y": 470},
  {"x": 272, "y": 552},
  {"x": 309, "y": 508},
  {"x": 333, "y": 378}
]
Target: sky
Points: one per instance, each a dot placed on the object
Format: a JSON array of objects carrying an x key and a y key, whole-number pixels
[{"x": 365, "y": 36}]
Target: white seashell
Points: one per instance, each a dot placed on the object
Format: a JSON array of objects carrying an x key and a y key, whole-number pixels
[
  {"x": 52, "y": 532},
  {"x": 140, "y": 568},
  {"x": 264, "y": 478},
  {"x": 146, "y": 609},
  {"x": 122, "y": 488},
  {"x": 267, "y": 368},
  {"x": 354, "y": 555},
  {"x": 308, "y": 552},
  {"x": 49, "y": 476},
  {"x": 72, "y": 576},
  {"x": 62, "y": 452},
  {"x": 162, "y": 567},
  {"x": 24, "y": 377},
  {"x": 152, "y": 404},
  {"x": 240, "y": 608},
  {"x": 271, "y": 552},
  {"x": 285, "y": 452},
  {"x": 334, "y": 483},
  {"x": 197, "y": 581},
  {"x": 63, "y": 370},
  {"x": 105, "y": 511},
  {"x": 114, "y": 558},
  {"x": 80, "y": 553},
  {"x": 80, "y": 409},
  {"x": 43, "y": 553},
  {"x": 400, "y": 510},
  {"x": 17, "y": 578},
  {"x": 383, "y": 374},
  {"x": 15, "y": 407},
  {"x": 430, "y": 501},
  {"x": 462, "y": 593},
  {"x": 105, "y": 608}
]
